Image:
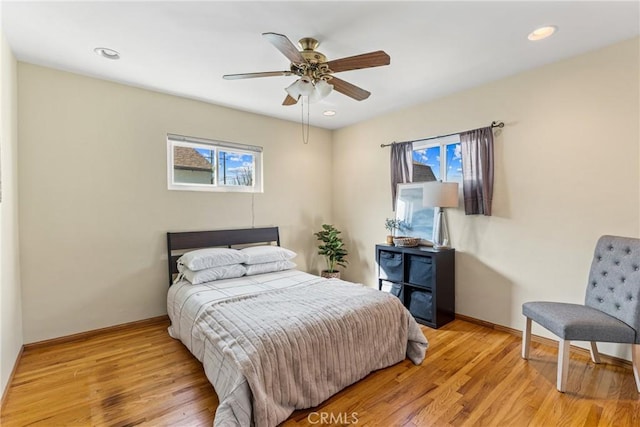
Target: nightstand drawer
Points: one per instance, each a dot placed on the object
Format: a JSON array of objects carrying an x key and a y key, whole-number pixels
[
  {"x": 420, "y": 270},
  {"x": 391, "y": 267},
  {"x": 397, "y": 290},
  {"x": 421, "y": 303}
]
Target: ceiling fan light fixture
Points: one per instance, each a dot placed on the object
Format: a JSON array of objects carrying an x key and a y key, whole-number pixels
[
  {"x": 304, "y": 86},
  {"x": 301, "y": 87},
  {"x": 320, "y": 91},
  {"x": 314, "y": 97},
  {"x": 323, "y": 88}
]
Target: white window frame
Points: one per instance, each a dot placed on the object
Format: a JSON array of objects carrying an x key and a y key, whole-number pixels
[
  {"x": 209, "y": 144},
  {"x": 441, "y": 142}
]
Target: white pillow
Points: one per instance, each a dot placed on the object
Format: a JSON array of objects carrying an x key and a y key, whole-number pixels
[
  {"x": 268, "y": 267},
  {"x": 211, "y": 257},
  {"x": 262, "y": 254},
  {"x": 214, "y": 273}
]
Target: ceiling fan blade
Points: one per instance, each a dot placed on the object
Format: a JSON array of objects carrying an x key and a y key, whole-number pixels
[
  {"x": 284, "y": 45},
  {"x": 289, "y": 100},
  {"x": 366, "y": 60},
  {"x": 254, "y": 75},
  {"x": 348, "y": 89}
]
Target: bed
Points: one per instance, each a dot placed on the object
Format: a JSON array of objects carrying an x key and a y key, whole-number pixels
[{"x": 275, "y": 342}]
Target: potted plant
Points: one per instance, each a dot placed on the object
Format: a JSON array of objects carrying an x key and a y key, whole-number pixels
[
  {"x": 332, "y": 249},
  {"x": 391, "y": 225}
]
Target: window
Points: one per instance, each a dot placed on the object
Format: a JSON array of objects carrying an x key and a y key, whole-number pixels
[
  {"x": 197, "y": 164},
  {"x": 434, "y": 159},
  {"x": 438, "y": 159}
]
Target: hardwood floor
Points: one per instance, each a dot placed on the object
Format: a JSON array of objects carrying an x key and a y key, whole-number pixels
[{"x": 472, "y": 376}]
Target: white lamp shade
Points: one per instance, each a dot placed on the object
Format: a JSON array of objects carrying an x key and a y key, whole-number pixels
[
  {"x": 305, "y": 87},
  {"x": 314, "y": 96},
  {"x": 301, "y": 87},
  {"x": 320, "y": 91},
  {"x": 323, "y": 88},
  {"x": 437, "y": 194}
]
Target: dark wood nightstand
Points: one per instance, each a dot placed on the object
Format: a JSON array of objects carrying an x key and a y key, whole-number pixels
[{"x": 423, "y": 278}]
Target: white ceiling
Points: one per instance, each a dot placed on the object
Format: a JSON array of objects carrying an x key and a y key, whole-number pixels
[{"x": 184, "y": 48}]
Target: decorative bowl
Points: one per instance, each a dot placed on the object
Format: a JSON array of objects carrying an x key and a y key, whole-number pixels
[{"x": 406, "y": 241}]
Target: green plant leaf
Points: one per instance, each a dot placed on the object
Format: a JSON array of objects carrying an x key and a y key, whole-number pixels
[{"x": 332, "y": 247}]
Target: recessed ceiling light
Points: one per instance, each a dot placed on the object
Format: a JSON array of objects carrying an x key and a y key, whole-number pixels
[
  {"x": 329, "y": 113},
  {"x": 542, "y": 32},
  {"x": 105, "y": 52}
]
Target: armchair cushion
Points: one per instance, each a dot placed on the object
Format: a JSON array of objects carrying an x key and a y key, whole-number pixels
[{"x": 575, "y": 322}]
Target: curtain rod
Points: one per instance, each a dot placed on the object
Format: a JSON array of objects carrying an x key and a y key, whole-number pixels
[{"x": 494, "y": 124}]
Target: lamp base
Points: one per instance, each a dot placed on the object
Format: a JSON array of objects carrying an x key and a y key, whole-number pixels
[
  {"x": 438, "y": 247},
  {"x": 440, "y": 231}
]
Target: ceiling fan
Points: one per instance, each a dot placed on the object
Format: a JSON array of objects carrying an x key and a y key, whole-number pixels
[{"x": 316, "y": 73}]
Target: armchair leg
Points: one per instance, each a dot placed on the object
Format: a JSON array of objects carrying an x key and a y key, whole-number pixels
[
  {"x": 526, "y": 339},
  {"x": 595, "y": 356},
  {"x": 563, "y": 364},
  {"x": 635, "y": 360}
]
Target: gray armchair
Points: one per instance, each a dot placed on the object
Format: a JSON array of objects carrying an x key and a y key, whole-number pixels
[{"x": 611, "y": 312}]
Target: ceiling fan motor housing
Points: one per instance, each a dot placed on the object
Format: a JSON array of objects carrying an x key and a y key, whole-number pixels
[{"x": 315, "y": 66}]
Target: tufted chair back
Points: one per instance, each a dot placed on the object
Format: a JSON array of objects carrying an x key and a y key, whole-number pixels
[{"x": 614, "y": 280}]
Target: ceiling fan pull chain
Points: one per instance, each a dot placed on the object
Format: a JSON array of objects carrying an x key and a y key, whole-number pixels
[{"x": 305, "y": 139}]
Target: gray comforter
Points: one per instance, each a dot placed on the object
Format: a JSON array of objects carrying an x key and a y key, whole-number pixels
[{"x": 296, "y": 347}]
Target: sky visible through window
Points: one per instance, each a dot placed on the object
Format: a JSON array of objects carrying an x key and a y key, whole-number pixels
[
  {"x": 233, "y": 168},
  {"x": 208, "y": 165},
  {"x": 207, "y": 154},
  {"x": 430, "y": 156},
  {"x": 454, "y": 162},
  {"x": 422, "y": 219}
]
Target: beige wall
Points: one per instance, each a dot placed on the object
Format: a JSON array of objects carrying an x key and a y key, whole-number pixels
[
  {"x": 94, "y": 204},
  {"x": 10, "y": 296},
  {"x": 92, "y": 251},
  {"x": 567, "y": 171}
]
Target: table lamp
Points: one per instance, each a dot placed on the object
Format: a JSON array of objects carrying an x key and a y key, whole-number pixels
[{"x": 440, "y": 195}]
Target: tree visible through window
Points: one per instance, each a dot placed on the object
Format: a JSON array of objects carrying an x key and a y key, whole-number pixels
[{"x": 235, "y": 169}]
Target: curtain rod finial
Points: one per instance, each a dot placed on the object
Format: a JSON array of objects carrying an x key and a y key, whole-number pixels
[{"x": 495, "y": 124}]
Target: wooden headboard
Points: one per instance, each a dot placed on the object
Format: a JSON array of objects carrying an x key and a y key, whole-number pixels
[{"x": 180, "y": 242}]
